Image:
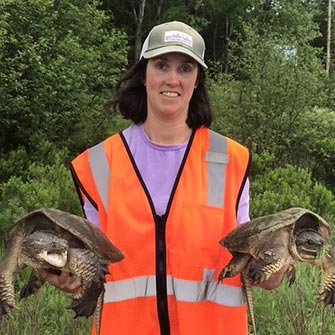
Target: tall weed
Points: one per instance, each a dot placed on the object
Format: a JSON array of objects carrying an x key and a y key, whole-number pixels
[
  {"x": 45, "y": 313},
  {"x": 294, "y": 310}
]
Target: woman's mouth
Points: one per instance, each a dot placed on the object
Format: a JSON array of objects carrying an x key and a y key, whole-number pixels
[{"x": 170, "y": 94}]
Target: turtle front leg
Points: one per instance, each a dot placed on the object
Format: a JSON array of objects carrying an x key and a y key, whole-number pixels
[
  {"x": 35, "y": 282},
  {"x": 7, "y": 297},
  {"x": 264, "y": 266},
  {"x": 327, "y": 290},
  {"x": 86, "y": 265},
  {"x": 9, "y": 266},
  {"x": 236, "y": 265},
  {"x": 291, "y": 275}
]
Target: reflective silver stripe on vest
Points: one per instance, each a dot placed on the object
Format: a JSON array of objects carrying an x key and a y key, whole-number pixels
[
  {"x": 100, "y": 171},
  {"x": 183, "y": 290},
  {"x": 217, "y": 160}
]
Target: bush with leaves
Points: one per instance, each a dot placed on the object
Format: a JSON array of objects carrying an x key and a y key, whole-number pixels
[
  {"x": 16, "y": 162},
  {"x": 319, "y": 129},
  {"x": 289, "y": 186},
  {"x": 59, "y": 61},
  {"x": 44, "y": 313},
  {"x": 276, "y": 81},
  {"x": 303, "y": 313},
  {"x": 43, "y": 185}
]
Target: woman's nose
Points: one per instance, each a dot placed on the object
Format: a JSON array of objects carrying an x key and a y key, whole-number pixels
[{"x": 173, "y": 78}]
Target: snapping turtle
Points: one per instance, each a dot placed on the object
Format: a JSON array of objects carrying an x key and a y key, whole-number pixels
[
  {"x": 57, "y": 240},
  {"x": 264, "y": 245}
]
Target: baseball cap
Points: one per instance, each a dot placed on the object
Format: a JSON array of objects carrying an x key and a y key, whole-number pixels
[{"x": 174, "y": 36}]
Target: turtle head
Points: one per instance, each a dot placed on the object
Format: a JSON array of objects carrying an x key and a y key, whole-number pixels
[
  {"x": 309, "y": 244},
  {"x": 45, "y": 249},
  {"x": 309, "y": 240}
]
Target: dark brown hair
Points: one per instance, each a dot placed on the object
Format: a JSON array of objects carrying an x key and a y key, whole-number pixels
[{"x": 130, "y": 98}]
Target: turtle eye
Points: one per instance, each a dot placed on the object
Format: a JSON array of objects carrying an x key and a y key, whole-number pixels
[
  {"x": 318, "y": 242},
  {"x": 313, "y": 244}
]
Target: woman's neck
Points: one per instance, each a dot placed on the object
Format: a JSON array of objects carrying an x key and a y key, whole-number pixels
[{"x": 167, "y": 133}]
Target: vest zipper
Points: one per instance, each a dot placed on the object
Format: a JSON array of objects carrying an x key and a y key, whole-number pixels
[
  {"x": 161, "y": 286},
  {"x": 160, "y": 236}
]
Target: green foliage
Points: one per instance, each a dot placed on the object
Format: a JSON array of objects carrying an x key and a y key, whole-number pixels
[
  {"x": 44, "y": 313},
  {"x": 294, "y": 310},
  {"x": 13, "y": 163},
  {"x": 319, "y": 145},
  {"x": 286, "y": 187},
  {"x": 16, "y": 162},
  {"x": 280, "y": 189},
  {"x": 58, "y": 61},
  {"x": 188, "y": 12},
  {"x": 43, "y": 185},
  {"x": 278, "y": 82},
  {"x": 292, "y": 18}
]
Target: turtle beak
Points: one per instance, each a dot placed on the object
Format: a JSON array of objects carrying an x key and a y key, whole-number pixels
[{"x": 58, "y": 259}]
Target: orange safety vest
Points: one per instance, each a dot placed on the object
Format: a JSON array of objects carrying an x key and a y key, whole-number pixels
[{"x": 167, "y": 283}]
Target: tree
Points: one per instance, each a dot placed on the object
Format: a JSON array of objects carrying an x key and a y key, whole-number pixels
[
  {"x": 138, "y": 17},
  {"x": 59, "y": 61},
  {"x": 324, "y": 19},
  {"x": 329, "y": 25},
  {"x": 276, "y": 81},
  {"x": 223, "y": 18}
]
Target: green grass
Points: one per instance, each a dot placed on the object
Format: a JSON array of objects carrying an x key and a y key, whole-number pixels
[
  {"x": 287, "y": 310},
  {"x": 294, "y": 310},
  {"x": 45, "y": 313}
]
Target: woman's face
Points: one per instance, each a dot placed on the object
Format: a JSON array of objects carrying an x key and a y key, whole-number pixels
[{"x": 170, "y": 82}]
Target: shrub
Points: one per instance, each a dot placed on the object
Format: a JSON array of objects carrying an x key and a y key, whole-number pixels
[
  {"x": 290, "y": 186},
  {"x": 294, "y": 310},
  {"x": 42, "y": 186},
  {"x": 59, "y": 60}
]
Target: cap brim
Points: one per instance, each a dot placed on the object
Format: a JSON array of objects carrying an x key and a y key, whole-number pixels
[{"x": 173, "y": 48}]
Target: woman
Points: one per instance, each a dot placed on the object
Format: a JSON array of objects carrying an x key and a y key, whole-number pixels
[{"x": 165, "y": 191}]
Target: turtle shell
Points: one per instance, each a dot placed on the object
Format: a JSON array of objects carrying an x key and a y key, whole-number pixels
[
  {"x": 63, "y": 223},
  {"x": 246, "y": 236}
]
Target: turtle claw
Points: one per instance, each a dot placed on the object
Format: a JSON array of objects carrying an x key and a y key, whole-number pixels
[
  {"x": 82, "y": 308},
  {"x": 327, "y": 296},
  {"x": 327, "y": 291},
  {"x": 85, "y": 303},
  {"x": 291, "y": 276},
  {"x": 224, "y": 274},
  {"x": 261, "y": 269},
  {"x": 34, "y": 284},
  {"x": 236, "y": 265},
  {"x": 256, "y": 275},
  {"x": 5, "y": 308}
]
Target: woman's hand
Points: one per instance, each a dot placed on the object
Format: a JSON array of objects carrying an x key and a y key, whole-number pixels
[{"x": 65, "y": 281}]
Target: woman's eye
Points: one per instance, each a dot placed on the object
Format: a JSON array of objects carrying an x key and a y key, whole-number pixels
[
  {"x": 186, "y": 68},
  {"x": 161, "y": 65}
]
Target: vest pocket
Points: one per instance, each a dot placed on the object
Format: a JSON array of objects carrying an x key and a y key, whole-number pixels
[{"x": 196, "y": 235}]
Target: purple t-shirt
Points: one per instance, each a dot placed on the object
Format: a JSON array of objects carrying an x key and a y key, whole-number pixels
[{"x": 159, "y": 165}]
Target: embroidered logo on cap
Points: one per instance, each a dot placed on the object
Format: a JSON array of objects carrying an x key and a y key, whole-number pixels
[{"x": 178, "y": 36}]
